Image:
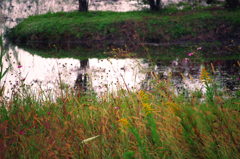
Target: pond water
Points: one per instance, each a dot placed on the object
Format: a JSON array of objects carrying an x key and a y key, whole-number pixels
[
  {"x": 38, "y": 66},
  {"x": 41, "y": 69}
]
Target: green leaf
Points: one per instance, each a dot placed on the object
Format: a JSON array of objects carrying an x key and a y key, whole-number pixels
[{"x": 4, "y": 73}]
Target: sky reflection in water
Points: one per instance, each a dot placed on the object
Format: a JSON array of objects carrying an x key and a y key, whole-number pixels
[{"x": 45, "y": 71}]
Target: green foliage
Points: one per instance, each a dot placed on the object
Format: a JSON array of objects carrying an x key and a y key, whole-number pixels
[{"x": 129, "y": 155}]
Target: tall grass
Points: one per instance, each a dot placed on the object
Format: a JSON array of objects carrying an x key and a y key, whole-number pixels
[{"x": 131, "y": 124}]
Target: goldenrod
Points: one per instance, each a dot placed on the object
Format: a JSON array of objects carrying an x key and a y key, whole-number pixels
[
  {"x": 205, "y": 76},
  {"x": 145, "y": 99},
  {"x": 173, "y": 106},
  {"x": 124, "y": 122},
  {"x": 147, "y": 108}
]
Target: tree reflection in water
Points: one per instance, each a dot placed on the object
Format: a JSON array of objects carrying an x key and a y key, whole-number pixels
[{"x": 82, "y": 78}]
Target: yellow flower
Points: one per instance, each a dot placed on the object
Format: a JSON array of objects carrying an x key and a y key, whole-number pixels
[
  {"x": 173, "y": 106},
  {"x": 145, "y": 99},
  {"x": 141, "y": 93},
  {"x": 205, "y": 76},
  {"x": 124, "y": 122},
  {"x": 147, "y": 108}
]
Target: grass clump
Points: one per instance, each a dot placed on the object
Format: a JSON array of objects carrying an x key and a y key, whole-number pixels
[{"x": 139, "y": 123}]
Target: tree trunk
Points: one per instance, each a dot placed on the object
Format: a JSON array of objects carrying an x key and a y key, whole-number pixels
[
  {"x": 157, "y": 5},
  {"x": 209, "y": 1},
  {"x": 83, "y": 5},
  {"x": 154, "y": 6}
]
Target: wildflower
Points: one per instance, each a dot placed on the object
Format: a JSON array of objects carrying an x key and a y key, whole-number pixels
[
  {"x": 237, "y": 79},
  {"x": 23, "y": 79},
  {"x": 19, "y": 66},
  {"x": 186, "y": 60},
  {"x": 145, "y": 99},
  {"x": 124, "y": 122},
  {"x": 199, "y": 48},
  {"x": 176, "y": 86},
  {"x": 173, "y": 106},
  {"x": 205, "y": 76},
  {"x": 190, "y": 54},
  {"x": 147, "y": 108},
  {"x": 116, "y": 108},
  {"x": 141, "y": 93},
  {"x": 20, "y": 132},
  {"x": 48, "y": 113}
]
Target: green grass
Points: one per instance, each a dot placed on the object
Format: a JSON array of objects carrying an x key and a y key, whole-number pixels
[
  {"x": 128, "y": 124},
  {"x": 150, "y": 26}
]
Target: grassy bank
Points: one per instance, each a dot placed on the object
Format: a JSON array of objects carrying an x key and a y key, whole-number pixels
[
  {"x": 135, "y": 123},
  {"x": 167, "y": 25}
]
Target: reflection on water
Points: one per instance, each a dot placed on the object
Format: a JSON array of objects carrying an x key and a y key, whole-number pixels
[
  {"x": 225, "y": 76},
  {"x": 109, "y": 75},
  {"x": 37, "y": 70},
  {"x": 176, "y": 69},
  {"x": 104, "y": 74}
]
